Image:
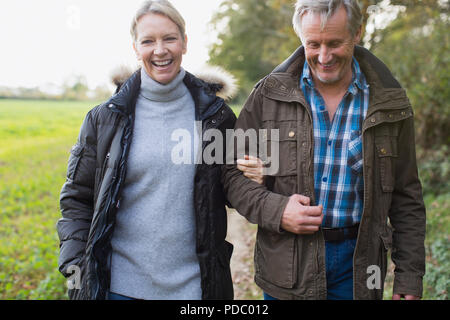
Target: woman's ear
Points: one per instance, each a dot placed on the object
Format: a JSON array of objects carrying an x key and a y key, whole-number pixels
[
  {"x": 185, "y": 44},
  {"x": 138, "y": 56}
]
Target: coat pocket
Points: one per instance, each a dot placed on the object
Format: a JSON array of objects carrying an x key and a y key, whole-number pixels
[
  {"x": 387, "y": 152},
  {"x": 280, "y": 144},
  {"x": 74, "y": 161},
  {"x": 275, "y": 258}
]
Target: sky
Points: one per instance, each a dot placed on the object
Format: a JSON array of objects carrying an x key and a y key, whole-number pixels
[{"x": 46, "y": 42}]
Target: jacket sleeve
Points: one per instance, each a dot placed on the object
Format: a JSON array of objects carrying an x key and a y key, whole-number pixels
[
  {"x": 77, "y": 198},
  {"x": 252, "y": 200},
  {"x": 408, "y": 218}
]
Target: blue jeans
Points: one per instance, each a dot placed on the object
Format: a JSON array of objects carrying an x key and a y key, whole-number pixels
[
  {"x": 339, "y": 270},
  {"x": 115, "y": 296}
]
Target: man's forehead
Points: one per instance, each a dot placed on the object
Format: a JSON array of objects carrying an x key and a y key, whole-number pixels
[{"x": 312, "y": 22}]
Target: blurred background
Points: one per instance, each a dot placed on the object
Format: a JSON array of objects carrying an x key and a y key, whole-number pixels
[{"x": 56, "y": 60}]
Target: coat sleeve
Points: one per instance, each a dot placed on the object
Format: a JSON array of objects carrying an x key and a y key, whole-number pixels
[
  {"x": 252, "y": 200},
  {"x": 408, "y": 218},
  {"x": 77, "y": 198}
]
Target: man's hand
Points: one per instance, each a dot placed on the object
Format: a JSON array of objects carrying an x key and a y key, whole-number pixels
[
  {"x": 404, "y": 296},
  {"x": 301, "y": 218}
]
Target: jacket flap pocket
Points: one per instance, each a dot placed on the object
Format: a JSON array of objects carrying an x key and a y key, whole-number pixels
[
  {"x": 386, "y": 238},
  {"x": 386, "y": 146},
  {"x": 285, "y": 131}
]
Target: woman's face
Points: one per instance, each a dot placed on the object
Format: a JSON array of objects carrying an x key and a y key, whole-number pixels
[{"x": 160, "y": 46}]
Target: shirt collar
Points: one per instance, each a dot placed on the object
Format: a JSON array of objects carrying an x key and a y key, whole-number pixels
[{"x": 358, "y": 79}]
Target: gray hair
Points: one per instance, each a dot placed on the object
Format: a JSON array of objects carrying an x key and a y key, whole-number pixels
[
  {"x": 163, "y": 7},
  {"x": 326, "y": 8}
]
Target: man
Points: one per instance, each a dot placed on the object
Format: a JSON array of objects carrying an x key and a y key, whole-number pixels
[{"x": 347, "y": 165}]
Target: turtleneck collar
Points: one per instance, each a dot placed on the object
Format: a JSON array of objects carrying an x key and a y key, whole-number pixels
[{"x": 155, "y": 91}]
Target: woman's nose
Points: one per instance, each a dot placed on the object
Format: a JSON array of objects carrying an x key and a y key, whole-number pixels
[{"x": 160, "y": 49}]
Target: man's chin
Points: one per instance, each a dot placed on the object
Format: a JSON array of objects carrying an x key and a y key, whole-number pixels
[{"x": 329, "y": 79}]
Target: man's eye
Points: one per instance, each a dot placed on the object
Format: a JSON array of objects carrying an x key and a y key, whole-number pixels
[
  {"x": 147, "y": 42},
  {"x": 335, "y": 44},
  {"x": 171, "y": 39}
]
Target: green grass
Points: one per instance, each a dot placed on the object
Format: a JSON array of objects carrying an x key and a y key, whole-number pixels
[{"x": 36, "y": 137}]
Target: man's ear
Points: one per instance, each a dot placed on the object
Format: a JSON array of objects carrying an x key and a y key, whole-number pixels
[{"x": 358, "y": 35}]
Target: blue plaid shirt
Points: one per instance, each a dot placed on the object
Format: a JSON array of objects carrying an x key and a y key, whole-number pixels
[{"x": 338, "y": 160}]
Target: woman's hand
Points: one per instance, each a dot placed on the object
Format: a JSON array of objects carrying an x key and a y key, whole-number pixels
[{"x": 252, "y": 168}]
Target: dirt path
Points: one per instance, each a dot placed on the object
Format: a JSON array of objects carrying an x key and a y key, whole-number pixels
[{"x": 242, "y": 235}]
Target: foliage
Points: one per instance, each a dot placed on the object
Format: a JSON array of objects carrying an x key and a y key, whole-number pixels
[
  {"x": 257, "y": 35},
  {"x": 35, "y": 144},
  {"x": 437, "y": 279},
  {"x": 74, "y": 89},
  {"x": 424, "y": 69},
  {"x": 434, "y": 169}
]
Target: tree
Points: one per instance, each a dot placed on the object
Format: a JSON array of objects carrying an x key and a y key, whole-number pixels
[
  {"x": 416, "y": 47},
  {"x": 257, "y": 36}
]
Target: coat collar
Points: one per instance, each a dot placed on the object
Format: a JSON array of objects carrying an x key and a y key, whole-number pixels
[
  {"x": 385, "y": 91},
  {"x": 203, "y": 93}
]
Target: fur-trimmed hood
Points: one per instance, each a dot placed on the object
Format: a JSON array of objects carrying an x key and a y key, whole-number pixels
[{"x": 218, "y": 78}]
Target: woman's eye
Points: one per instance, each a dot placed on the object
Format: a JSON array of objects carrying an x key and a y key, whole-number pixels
[{"x": 147, "y": 42}]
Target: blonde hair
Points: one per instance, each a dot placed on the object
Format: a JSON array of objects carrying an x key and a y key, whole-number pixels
[{"x": 163, "y": 7}]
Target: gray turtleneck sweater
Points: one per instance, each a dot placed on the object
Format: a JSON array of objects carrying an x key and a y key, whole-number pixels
[{"x": 153, "y": 245}]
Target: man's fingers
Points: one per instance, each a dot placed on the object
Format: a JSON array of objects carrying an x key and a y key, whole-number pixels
[
  {"x": 313, "y": 210},
  {"x": 306, "y": 201},
  {"x": 312, "y": 220}
]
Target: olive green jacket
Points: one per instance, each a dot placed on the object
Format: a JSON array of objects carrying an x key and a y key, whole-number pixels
[{"x": 290, "y": 266}]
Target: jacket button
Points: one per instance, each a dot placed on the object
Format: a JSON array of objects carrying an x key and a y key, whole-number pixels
[
  {"x": 213, "y": 121},
  {"x": 291, "y": 134},
  {"x": 373, "y": 120},
  {"x": 383, "y": 151}
]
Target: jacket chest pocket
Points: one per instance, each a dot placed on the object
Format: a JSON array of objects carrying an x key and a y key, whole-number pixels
[
  {"x": 386, "y": 151},
  {"x": 280, "y": 142}
]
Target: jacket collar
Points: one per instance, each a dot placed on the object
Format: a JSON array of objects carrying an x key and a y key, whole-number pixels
[
  {"x": 203, "y": 93},
  {"x": 385, "y": 91}
]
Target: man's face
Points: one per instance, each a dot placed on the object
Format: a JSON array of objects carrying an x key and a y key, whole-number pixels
[{"x": 329, "y": 51}]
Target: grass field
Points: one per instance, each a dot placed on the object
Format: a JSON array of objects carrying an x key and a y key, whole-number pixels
[{"x": 36, "y": 137}]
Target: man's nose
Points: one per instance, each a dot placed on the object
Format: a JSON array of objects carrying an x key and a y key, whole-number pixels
[{"x": 325, "y": 55}]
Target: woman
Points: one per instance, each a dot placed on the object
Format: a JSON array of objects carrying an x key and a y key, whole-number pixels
[{"x": 137, "y": 224}]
